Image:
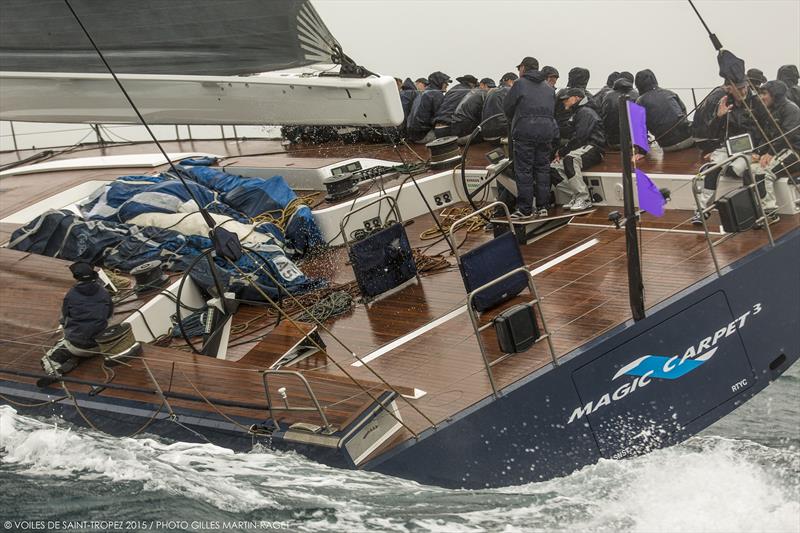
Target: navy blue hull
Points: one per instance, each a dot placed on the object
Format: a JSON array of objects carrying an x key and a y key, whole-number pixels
[{"x": 642, "y": 386}]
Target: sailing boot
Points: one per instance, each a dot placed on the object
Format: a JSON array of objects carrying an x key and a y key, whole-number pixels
[{"x": 706, "y": 199}]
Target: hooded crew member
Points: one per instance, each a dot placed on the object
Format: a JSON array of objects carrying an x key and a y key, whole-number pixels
[
  {"x": 778, "y": 158},
  {"x": 453, "y": 97},
  {"x": 729, "y": 116},
  {"x": 530, "y": 105},
  {"x": 666, "y": 114},
  {"x": 610, "y": 109},
  {"x": 789, "y": 75},
  {"x": 607, "y": 88},
  {"x": 420, "y": 121},
  {"x": 493, "y": 105},
  {"x": 578, "y": 78},
  {"x": 583, "y": 150},
  {"x": 86, "y": 307},
  {"x": 408, "y": 92}
]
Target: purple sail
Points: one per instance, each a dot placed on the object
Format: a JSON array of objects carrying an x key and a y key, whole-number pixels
[
  {"x": 650, "y": 198},
  {"x": 637, "y": 119}
]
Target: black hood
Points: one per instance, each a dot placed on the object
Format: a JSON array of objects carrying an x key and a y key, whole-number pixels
[
  {"x": 437, "y": 80},
  {"x": 408, "y": 85},
  {"x": 627, "y": 75},
  {"x": 777, "y": 89},
  {"x": 789, "y": 75},
  {"x": 614, "y": 76},
  {"x": 646, "y": 81},
  {"x": 87, "y": 288},
  {"x": 622, "y": 85},
  {"x": 578, "y": 77},
  {"x": 534, "y": 75}
]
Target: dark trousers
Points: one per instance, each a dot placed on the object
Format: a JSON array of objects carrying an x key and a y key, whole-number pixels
[{"x": 531, "y": 170}]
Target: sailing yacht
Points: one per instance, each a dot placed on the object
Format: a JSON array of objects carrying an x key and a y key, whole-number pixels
[{"x": 365, "y": 317}]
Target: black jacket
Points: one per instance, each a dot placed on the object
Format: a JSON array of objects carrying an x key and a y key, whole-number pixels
[
  {"x": 736, "y": 122},
  {"x": 787, "y": 115},
  {"x": 666, "y": 114},
  {"x": 85, "y": 313},
  {"x": 468, "y": 113},
  {"x": 423, "y": 110},
  {"x": 600, "y": 96},
  {"x": 705, "y": 114},
  {"x": 610, "y": 108},
  {"x": 530, "y": 106},
  {"x": 452, "y": 98},
  {"x": 493, "y": 105},
  {"x": 789, "y": 75},
  {"x": 579, "y": 77},
  {"x": 408, "y": 93},
  {"x": 587, "y": 128}
]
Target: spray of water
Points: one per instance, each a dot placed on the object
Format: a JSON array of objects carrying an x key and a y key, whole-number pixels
[{"x": 710, "y": 483}]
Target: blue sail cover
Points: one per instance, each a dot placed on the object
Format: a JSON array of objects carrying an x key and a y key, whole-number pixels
[{"x": 104, "y": 234}]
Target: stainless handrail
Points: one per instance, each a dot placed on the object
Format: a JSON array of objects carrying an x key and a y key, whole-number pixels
[
  {"x": 702, "y": 210},
  {"x": 465, "y": 219},
  {"x": 478, "y": 328},
  {"x": 328, "y": 427}
]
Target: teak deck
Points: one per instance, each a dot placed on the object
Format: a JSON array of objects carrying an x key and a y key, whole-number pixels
[{"x": 582, "y": 297}]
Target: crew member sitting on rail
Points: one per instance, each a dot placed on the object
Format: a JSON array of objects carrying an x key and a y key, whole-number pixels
[
  {"x": 84, "y": 315},
  {"x": 426, "y": 105},
  {"x": 666, "y": 114},
  {"x": 789, "y": 75},
  {"x": 725, "y": 118},
  {"x": 583, "y": 150},
  {"x": 454, "y": 95},
  {"x": 530, "y": 105},
  {"x": 493, "y": 105}
]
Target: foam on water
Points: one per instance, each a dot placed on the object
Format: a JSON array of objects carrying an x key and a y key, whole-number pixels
[
  {"x": 710, "y": 483},
  {"x": 743, "y": 474}
]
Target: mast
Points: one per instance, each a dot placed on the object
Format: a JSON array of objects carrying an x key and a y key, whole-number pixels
[{"x": 635, "y": 283}]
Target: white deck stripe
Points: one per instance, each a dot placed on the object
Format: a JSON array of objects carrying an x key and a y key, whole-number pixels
[{"x": 463, "y": 309}]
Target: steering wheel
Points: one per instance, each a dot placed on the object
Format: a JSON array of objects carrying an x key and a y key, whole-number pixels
[{"x": 489, "y": 179}]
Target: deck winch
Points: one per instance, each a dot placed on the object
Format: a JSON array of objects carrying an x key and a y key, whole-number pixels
[
  {"x": 149, "y": 276},
  {"x": 340, "y": 186},
  {"x": 444, "y": 152}
]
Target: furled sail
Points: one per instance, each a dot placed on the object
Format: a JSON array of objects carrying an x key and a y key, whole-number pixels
[{"x": 176, "y": 37}]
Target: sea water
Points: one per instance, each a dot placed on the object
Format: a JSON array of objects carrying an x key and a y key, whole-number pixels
[{"x": 741, "y": 474}]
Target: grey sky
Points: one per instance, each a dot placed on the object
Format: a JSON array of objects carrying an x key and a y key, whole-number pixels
[{"x": 488, "y": 37}]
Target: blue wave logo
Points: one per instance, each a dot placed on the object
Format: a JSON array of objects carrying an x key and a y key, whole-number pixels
[{"x": 663, "y": 367}]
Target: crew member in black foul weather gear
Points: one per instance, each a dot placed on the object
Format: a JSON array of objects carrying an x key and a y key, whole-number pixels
[
  {"x": 779, "y": 157},
  {"x": 584, "y": 149},
  {"x": 551, "y": 75},
  {"x": 607, "y": 88},
  {"x": 425, "y": 107},
  {"x": 578, "y": 78},
  {"x": 530, "y": 106},
  {"x": 789, "y": 75},
  {"x": 666, "y": 114},
  {"x": 493, "y": 105},
  {"x": 610, "y": 109},
  {"x": 468, "y": 115},
  {"x": 444, "y": 116},
  {"x": 84, "y": 315}
]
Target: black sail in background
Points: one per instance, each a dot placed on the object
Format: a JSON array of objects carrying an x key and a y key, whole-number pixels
[{"x": 178, "y": 37}]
